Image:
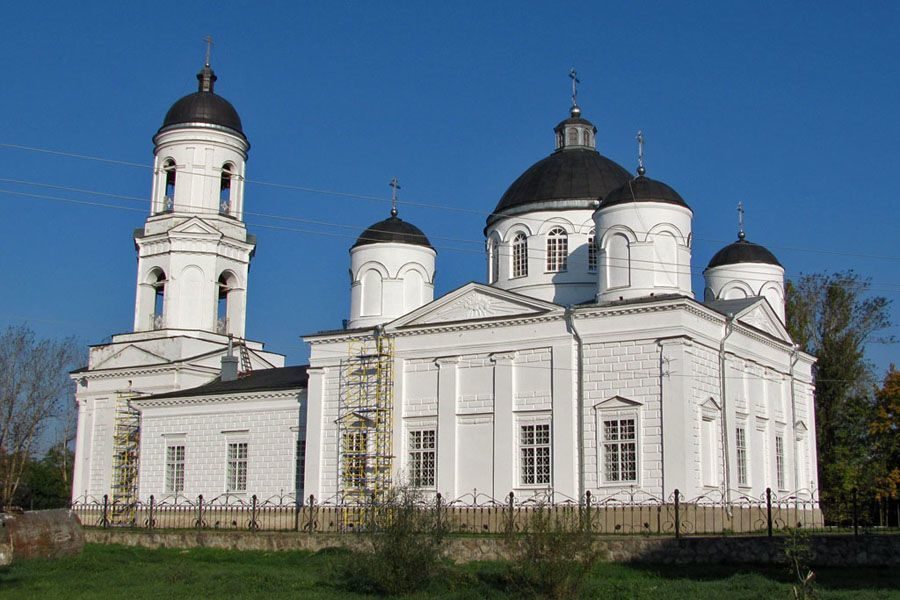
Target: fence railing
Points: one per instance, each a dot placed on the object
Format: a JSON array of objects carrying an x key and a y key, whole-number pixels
[{"x": 623, "y": 513}]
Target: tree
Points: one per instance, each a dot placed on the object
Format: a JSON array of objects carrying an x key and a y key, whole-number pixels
[
  {"x": 47, "y": 483},
  {"x": 34, "y": 386},
  {"x": 831, "y": 316},
  {"x": 885, "y": 437}
]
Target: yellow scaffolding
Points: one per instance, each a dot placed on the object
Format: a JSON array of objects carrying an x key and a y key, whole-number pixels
[
  {"x": 365, "y": 420},
  {"x": 126, "y": 459}
]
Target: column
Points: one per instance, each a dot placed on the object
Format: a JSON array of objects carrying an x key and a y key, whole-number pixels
[
  {"x": 448, "y": 370},
  {"x": 504, "y": 426},
  {"x": 564, "y": 477},
  {"x": 675, "y": 417},
  {"x": 315, "y": 432}
]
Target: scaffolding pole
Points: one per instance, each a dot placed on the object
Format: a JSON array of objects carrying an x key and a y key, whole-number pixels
[
  {"x": 126, "y": 460},
  {"x": 365, "y": 420}
]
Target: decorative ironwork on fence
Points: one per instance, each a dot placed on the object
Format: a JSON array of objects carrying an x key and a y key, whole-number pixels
[{"x": 630, "y": 512}]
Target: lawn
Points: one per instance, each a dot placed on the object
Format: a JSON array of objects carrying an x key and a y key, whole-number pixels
[{"x": 135, "y": 573}]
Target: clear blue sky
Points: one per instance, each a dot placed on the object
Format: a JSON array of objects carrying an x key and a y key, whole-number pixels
[{"x": 791, "y": 108}]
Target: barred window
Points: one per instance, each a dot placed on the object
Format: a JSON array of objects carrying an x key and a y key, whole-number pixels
[
  {"x": 619, "y": 450},
  {"x": 422, "y": 448},
  {"x": 520, "y": 255},
  {"x": 494, "y": 251},
  {"x": 592, "y": 253},
  {"x": 300, "y": 465},
  {"x": 534, "y": 443},
  {"x": 236, "y": 476},
  {"x": 779, "y": 461},
  {"x": 741, "y": 444},
  {"x": 557, "y": 250},
  {"x": 174, "y": 469},
  {"x": 354, "y": 459}
]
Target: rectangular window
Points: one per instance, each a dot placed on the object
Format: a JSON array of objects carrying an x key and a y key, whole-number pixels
[
  {"x": 236, "y": 473},
  {"x": 300, "y": 466},
  {"x": 709, "y": 452},
  {"x": 619, "y": 450},
  {"x": 534, "y": 444},
  {"x": 779, "y": 461},
  {"x": 592, "y": 254},
  {"x": 174, "y": 469},
  {"x": 740, "y": 441},
  {"x": 422, "y": 448},
  {"x": 353, "y": 465}
]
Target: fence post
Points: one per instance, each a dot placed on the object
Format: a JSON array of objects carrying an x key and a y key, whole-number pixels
[
  {"x": 199, "y": 523},
  {"x": 104, "y": 518},
  {"x": 677, "y": 514},
  {"x": 769, "y": 511},
  {"x": 855, "y": 513},
  {"x": 254, "y": 526},
  {"x": 437, "y": 506},
  {"x": 150, "y": 520},
  {"x": 311, "y": 509},
  {"x": 587, "y": 511}
]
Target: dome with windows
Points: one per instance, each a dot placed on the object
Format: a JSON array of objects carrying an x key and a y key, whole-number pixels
[
  {"x": 204, "y": 106},
  {"x": 575, "y": 176}
]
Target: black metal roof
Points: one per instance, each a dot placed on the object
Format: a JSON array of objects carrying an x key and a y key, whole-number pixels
[
  {"x": 393, "y": 229},
  {"x": 643, "y": 189},
  {"x": 204, "y": 106},
  {"x": 567, "y": 174},
  {"x": 742, "y": 251},
  {"x": 279, "y": 378},
  {"x": 732, "y": 306}
]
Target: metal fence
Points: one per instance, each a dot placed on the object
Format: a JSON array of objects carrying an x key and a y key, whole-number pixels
[{"x": 624, "y": 513}]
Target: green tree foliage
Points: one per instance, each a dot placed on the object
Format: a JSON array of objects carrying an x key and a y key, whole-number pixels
[
  {"x": 885, "y": 436},
  {"x": 34, "y": 386},
  {"x": 832, "y": 316},
  {"x": 47, "y": 483}
]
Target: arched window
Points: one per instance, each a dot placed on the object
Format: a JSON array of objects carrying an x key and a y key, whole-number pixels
[
  {"x": 225, "y": 285},
  {"x": 169, "y": 198},
  {"x": 225, "y": 189},
  {"x": 158, "y": 281},
  {"x": 618, "y": 262},
  {"x": 371, "y": 293},
  {"x": 665, "y": 271},
  {"x": 585, "y": 137},
  {"x": 520, "y": 256},
  {"x": 571, "y": 136},
  {"x": 592, "y": 252},
  {"x": 494, "y": 258},
  {"x": 557, "y": 250}
]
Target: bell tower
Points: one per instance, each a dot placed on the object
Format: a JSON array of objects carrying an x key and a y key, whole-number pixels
[{"x": 194, "y": 251}]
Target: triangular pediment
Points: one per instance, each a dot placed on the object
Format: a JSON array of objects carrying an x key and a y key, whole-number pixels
[
  {"x": 616, "y": 402},
  {"x": 195, "y": 226},
  {"x": 475, "y": 302},
  {"x": 130, "y": 356},
  {"x": 761, "y": 316}
]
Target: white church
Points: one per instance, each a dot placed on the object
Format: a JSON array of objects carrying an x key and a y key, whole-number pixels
[{"x": 583, "y": 363}]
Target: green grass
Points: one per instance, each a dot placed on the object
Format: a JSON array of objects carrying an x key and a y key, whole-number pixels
[{"x": 135, "y": 573}]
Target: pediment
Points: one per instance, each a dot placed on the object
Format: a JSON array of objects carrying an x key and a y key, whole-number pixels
[
  {"x": 711, "y": 405},
  {"x": 130, "y": 356},
  {"x": 195, "y": 226},
  {"x": 617, "y": 402},
  {"x": 761, "y": 316},
  {"x": 475, "y": 302}
]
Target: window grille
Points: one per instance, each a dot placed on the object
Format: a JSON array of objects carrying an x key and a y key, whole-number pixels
[
  {"x": 520, "y": 255},
  {"x": 741, "y": 444},
  {"x": 534, "y": 443},
  {"x": 354, "y": 459},
  {"x": 557, "y": 250},
  {"x": 300, "y": 466},
  {"x": 422, "y": 448},
  {"x": 592, "y": 253},
  {"x": 620, "y": 450},
  {"x": 174, "y": 469},
  {"x": 236, "y": 479},
  {"x": 779, "y": 461}
]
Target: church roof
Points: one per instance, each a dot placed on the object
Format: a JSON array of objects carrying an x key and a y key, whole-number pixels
[
  {"x": 742, "y": 251},
  {"x": 261, "y": 380},
  {"x": 567, "y": 174},
  {"x": 393, "y": 229},
  {"x": 643, "y": 189},
  {"x": 204, "y": 106}
]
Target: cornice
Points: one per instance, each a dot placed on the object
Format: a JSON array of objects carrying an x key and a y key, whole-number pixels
[{"x": 223, "y": 398}]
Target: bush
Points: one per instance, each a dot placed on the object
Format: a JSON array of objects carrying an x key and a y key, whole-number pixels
[
  {"x": 404, "y": 535},
  {"x": 797, "y": 553},
  {"x": 552, "y": 556}
]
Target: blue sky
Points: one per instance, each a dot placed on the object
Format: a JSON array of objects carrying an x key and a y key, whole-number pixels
[{"x": 788, "y": 107}]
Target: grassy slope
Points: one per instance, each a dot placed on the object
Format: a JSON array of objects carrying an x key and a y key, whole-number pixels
[{"x": 135, "y": 573}]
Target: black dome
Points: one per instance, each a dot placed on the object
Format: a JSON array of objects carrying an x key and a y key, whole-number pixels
[
  {"x": 742, "y": 251},
  {"x": 393, "y": 229},
  {"x": 643, "y": 189},
  {"x": 204, "y": 106},
  {"x": 567, "y": 174}
]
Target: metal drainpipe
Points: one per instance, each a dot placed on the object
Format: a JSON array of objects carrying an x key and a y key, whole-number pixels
[
  {"x": 795, "y": 357},
  {"x": 729, "y": 329},
  {"x": 579, "y": 386}
]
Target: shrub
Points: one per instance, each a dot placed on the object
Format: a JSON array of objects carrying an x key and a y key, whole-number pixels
[
  {"x": 404, "y": 536},
  {"x": 797, "y": 553}
]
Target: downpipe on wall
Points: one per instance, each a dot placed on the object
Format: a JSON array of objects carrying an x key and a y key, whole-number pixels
[{"x": 729, "y": 329}]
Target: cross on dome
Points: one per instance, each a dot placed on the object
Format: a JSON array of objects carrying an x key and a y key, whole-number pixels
[
  {"x": 740, "y": 209},
  {"x": 395, "y": 185}
]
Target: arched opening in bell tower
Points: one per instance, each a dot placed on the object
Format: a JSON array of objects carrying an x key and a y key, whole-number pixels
[
  {"x": 158, "y": 282},
  {"x": 169, "y": 197},
  {"x": 224, "y": 302},
  {"x": 225, "y": 203}
]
